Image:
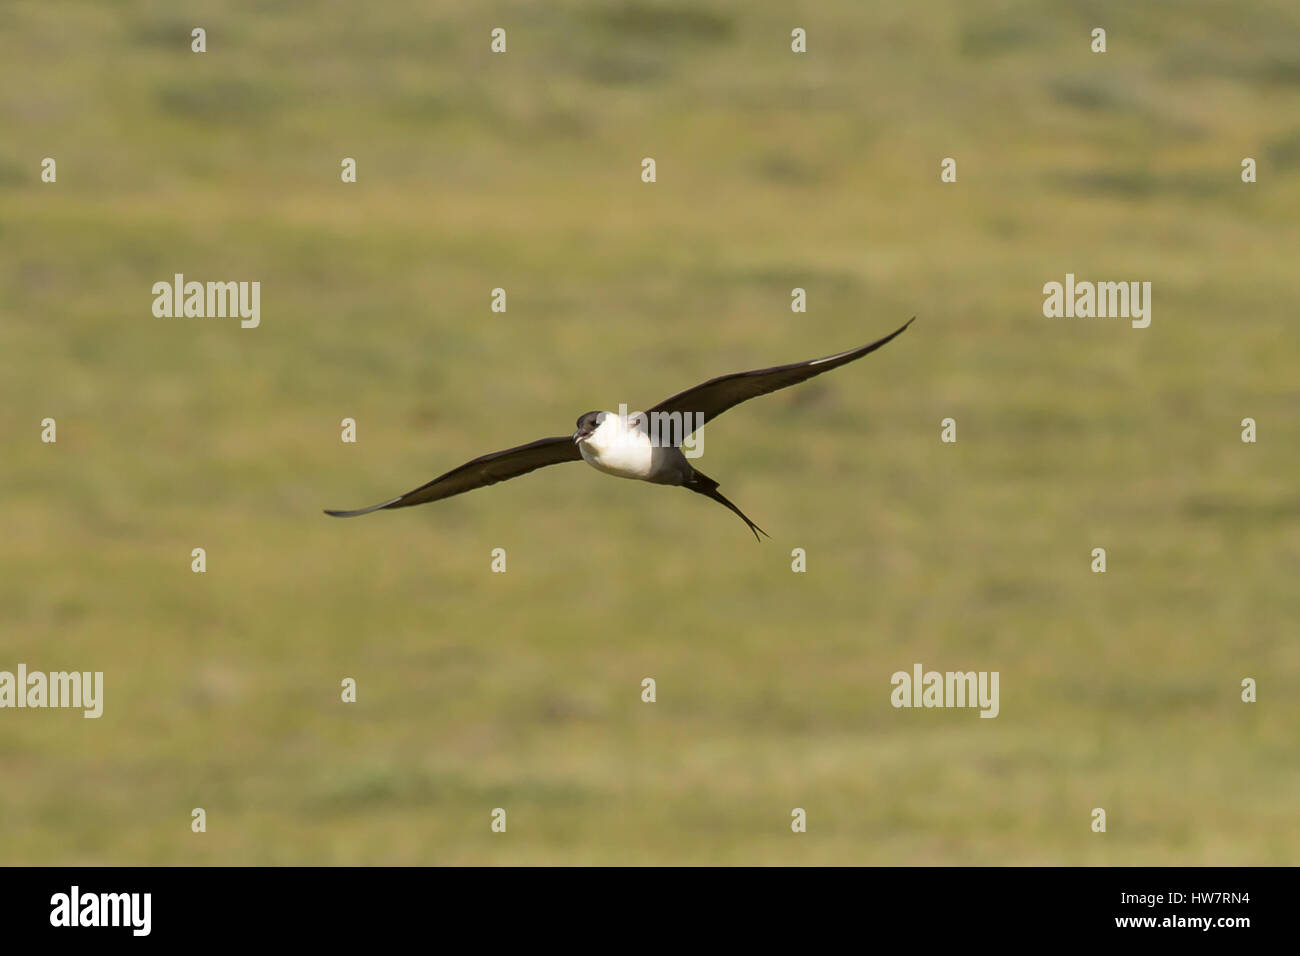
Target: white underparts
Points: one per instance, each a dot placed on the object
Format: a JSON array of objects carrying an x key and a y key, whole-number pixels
[{"x": 621, "y": 449}]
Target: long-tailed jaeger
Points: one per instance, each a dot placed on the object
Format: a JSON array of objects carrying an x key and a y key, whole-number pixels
[{"x": 632, "y": 446}]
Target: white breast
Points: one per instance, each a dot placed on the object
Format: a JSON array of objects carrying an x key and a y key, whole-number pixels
[
  {"x": 626, "y": 451},
  {"x": 618, "y": 451}
]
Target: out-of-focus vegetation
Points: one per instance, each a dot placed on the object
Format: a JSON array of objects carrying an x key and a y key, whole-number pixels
[{"x": 522, "y": 690}]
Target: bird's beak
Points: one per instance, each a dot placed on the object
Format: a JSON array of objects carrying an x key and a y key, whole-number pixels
[{"x": 577, "y": 437}]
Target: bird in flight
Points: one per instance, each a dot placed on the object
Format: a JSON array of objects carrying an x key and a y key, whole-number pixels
[{"x": 623, "y": 445}]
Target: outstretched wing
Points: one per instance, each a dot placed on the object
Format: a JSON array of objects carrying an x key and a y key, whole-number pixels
[
  {"x": 488, "y": 470},
  {"x": 726, "y": 391}
]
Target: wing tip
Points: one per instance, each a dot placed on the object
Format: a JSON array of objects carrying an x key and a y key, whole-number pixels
[
  {"x": 893, "y": 335},
  {"x": 335, "y": 513}
]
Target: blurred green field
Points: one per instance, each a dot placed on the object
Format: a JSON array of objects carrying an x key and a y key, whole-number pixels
[{"x": 522, "y": 690}]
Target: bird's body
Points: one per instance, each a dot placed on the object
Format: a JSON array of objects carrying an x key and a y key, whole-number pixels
[
  {"x": 627, "y": 446},
  {"x": 620, "y": 446}
]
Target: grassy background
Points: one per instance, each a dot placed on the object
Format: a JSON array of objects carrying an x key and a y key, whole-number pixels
[{"x": 522, "y": 690}]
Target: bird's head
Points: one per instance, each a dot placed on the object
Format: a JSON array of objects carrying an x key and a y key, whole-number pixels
[
  {"x": 587, "y": 426},
  {"x": 606, "y": 428}
]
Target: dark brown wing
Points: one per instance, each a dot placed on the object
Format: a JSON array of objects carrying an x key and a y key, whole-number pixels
[
  {"x": 488, "y": 470},
  {"x": 719, "y": 394}
]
